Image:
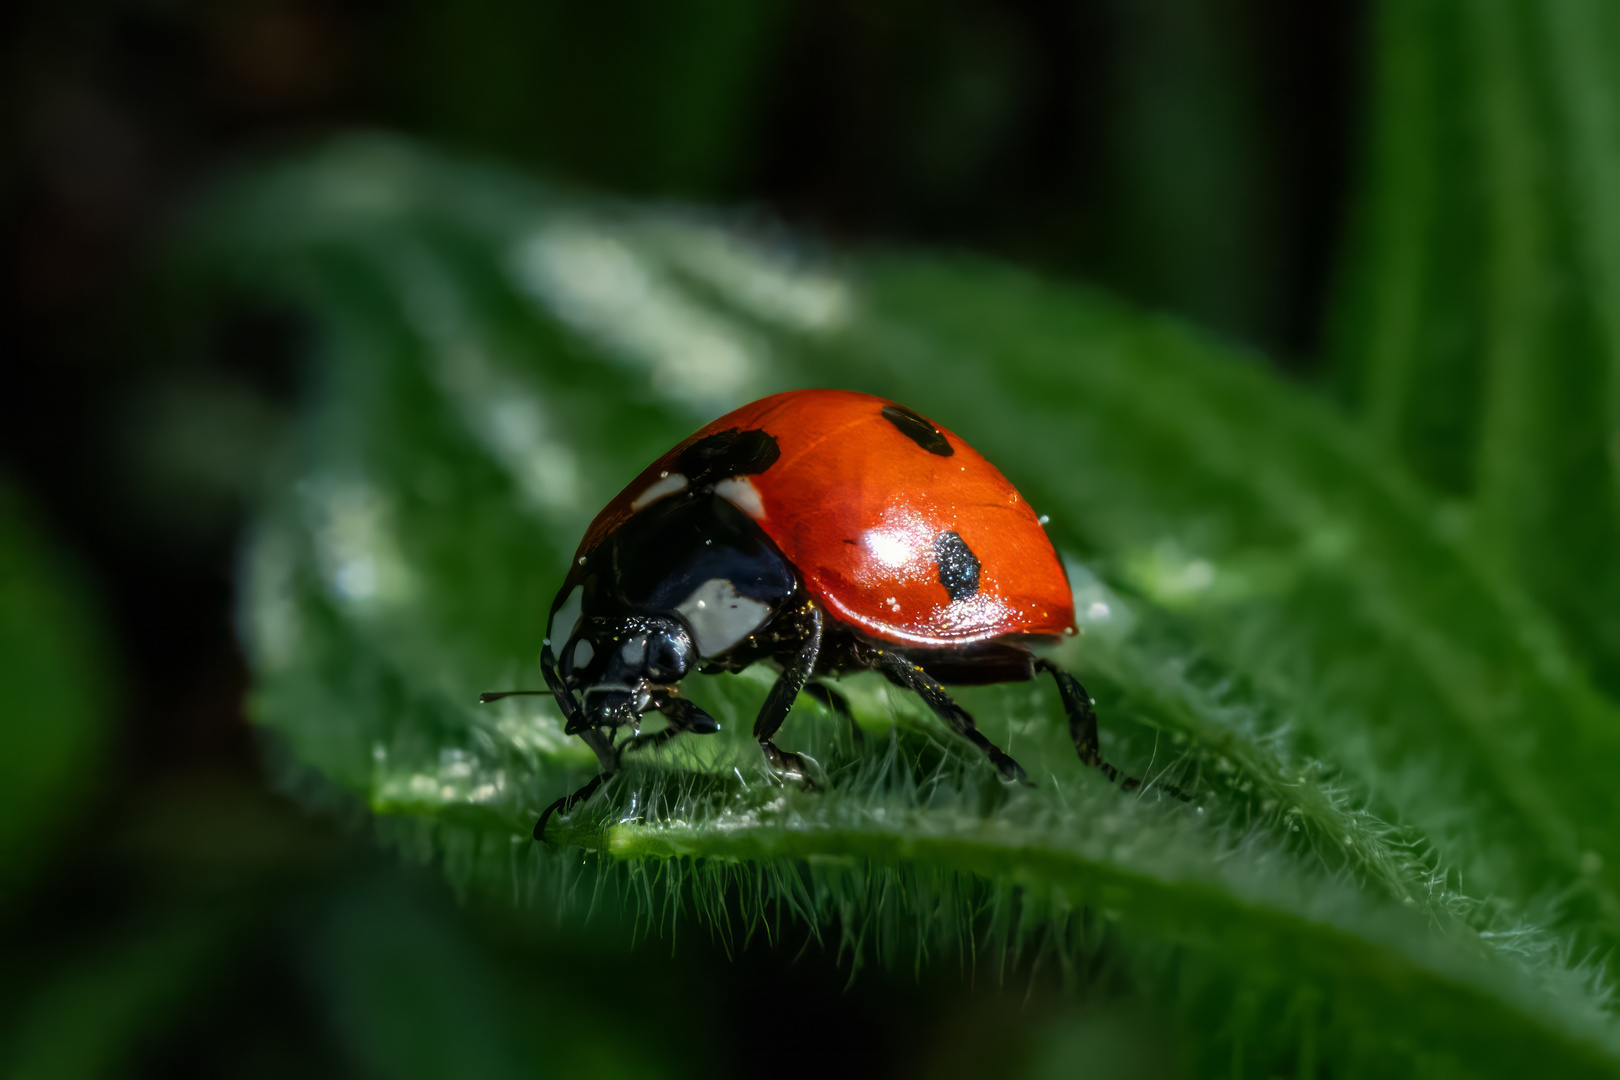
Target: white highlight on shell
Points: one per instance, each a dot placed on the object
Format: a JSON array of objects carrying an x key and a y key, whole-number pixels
[
  {"x": 669, "y": 484},
  {"x": 981, "y": 614},
  {"x": 567, "y": 618},
  {"x": 583, "y": 653},
  {"x": 901, "y": 546},
  {"x": 741, "y": 493},
  {"x": 891, "y": 548},
  {"x": 719, "y": 617}
]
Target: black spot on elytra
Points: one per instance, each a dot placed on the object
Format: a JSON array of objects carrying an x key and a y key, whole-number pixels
[
  {"x": 918, "y": 430},
  {"x": 727, "y": 453},
  {"x": 958, "y": 566}
]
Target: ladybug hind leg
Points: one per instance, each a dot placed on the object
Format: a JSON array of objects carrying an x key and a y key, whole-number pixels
[
  {"x": 925, "y": 686},
  {"x": 795, "y": 676},
  {"x": 1082, "y": 721},
  {"x": 1083, "y": 727}
]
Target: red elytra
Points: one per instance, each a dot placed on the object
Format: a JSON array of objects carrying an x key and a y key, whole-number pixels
[
  {"x": 822, "y": 531},
  {"x": 856, "y": 508}
]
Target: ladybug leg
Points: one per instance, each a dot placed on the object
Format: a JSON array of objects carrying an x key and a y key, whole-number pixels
[
  {"x": 795, "y": 675},
  {"x": 683, "y": 716},
  {"x": 1082, "y": 721},
  {"x": 655, "y": 740},
  {"x": 602, "y": 743},
  {"x": 1083, "y": 727},
  {"x": 925, "y": 686},
  {"x": 566, "y": 803},
  {"x": 838, "y": 705}
]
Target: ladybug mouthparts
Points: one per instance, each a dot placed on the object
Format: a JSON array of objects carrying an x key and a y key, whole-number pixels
[
  {"x": 615, "y": 706},
  {"x": 622, "y": 668}
]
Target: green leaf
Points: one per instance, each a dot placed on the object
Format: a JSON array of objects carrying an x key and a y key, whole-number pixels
[
  {"x": 53, "y": 713},
  {"x": 97, "y": 1012},
  {"x": 1479, "y": 329},
  {"x": 410, "y": 994},
  {"x": 1275, "y": 618}
]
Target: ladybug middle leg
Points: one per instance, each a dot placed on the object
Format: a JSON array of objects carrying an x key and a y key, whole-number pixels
[
  {"x": 925, "y": 686},
  {"x": 795, "y": 674}
]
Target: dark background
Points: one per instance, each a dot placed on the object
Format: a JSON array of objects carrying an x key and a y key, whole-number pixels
[{"x": 1192, "y": 156}]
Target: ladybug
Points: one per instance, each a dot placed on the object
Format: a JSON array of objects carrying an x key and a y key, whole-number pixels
[{"x": 820, "y": 531}]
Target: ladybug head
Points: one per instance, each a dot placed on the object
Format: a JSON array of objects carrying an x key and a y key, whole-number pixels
[{"x": 621, "y": 667}]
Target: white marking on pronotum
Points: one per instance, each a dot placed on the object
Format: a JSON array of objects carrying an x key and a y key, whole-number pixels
[
  {"x": 567, "y": 618},
  {"x": 583, "y": 653},
  {"x": 742, "y": 493},
  {"x": 668, "y": 484},
  {"x": 720, "y": 618}
]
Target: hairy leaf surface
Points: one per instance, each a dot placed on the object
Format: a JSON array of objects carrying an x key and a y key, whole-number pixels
[{"x": 1398, "y": 797}]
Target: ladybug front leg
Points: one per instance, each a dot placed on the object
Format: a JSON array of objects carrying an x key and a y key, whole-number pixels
[
  {"x": 683, "y": 717},
  {"x": 925, "y": 686},
  {"x": 602, "y": 743},
  {"x": 795, "y": 674},
  {"x": 566, "y": 803}
]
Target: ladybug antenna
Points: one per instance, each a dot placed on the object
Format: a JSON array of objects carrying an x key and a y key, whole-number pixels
[{"x": 495, "y": 695}]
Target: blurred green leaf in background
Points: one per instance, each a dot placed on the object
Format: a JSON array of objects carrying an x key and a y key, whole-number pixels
[
  {"x": 1370, "y": 625},
  {"x": 1480, "y": 325},
  {"x": 58, "y": 690}
]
